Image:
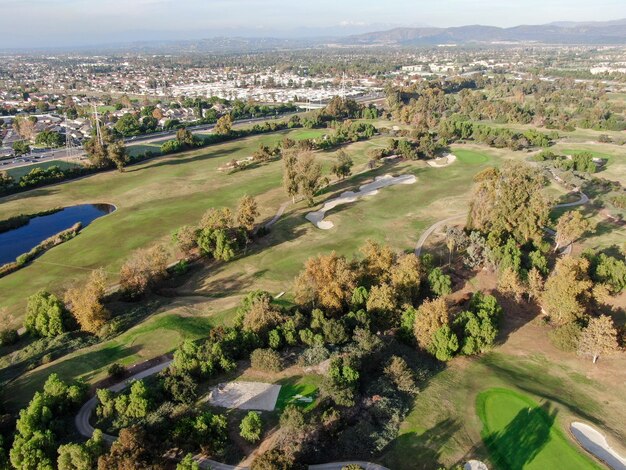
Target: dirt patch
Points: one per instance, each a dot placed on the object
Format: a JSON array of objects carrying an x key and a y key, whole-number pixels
[{"x": 245, "y": 395}]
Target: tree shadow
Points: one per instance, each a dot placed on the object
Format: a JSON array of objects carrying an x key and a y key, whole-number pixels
[
  {"x": 523, "y": 438},
  {"x": 421, "y": 451},
  {"x": 195, "y": 156}
]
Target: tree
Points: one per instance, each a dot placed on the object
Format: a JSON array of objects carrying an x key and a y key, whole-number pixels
[
  {"x": 116, "y": 153},
  {"x": 290, "y": 175},
  {"x": 186, "y": 238},
  {"x": 224, "y": 125},
  {"x": 21, "y": 147},
  {"x": 81, "y": 456},
  {"x": 378, "y": 261},
  {"x": 274, "y": 459},
  {"x": 309, "y": 176},
  {"x": 188, "y": 463},
  {"x": 144, "y": 269},
  {"x": 444, "y": 344},
  {"x": 45, "y": 315},
  {"x": 185, "y": 138},
  {"x": 440, "y": 283},
  {"x": 401, "y": 375},
  {"x": 25, "y": 127},
  {"x": 406, "y": 277},
  {"x": 50, "y": 139},
  {"x": 326, "y": 281},
  {"x": 610, "y": 271},
  {"x": 266, "y": 360},
  {"x": 129, "y": 451},
  {"x": 342, "y": 168},
  {"x": 509, "y": 200},
  {"x": 478, "y": 327},
  {"x": 509, "y": 282},
  {"x": 6, "y": 181},
  {"x": 569, "y": 228},
  {"x": 599, "y": 338},
  {"x": 85, "y": 302},
  {"x": 106, "y": 151},
  {"x": 382, "y": 301},
  {"x": 340, "y": 385},
  {"x": 251, "y": 427},
  {"x": 430, "y": 317},
  {"x": 535, "y": 283},
  {"x": 42, "y": 423},
  {"x": 247, "y": 213},
  {"x": 261, "y": 316},
  {"x": 567, "y": 290}
]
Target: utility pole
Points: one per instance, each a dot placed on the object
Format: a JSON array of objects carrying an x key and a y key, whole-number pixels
[{"x": 98, "y": 132}]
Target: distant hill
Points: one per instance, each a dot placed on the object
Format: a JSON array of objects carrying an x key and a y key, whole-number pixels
[{"x": 609, "y": 32}]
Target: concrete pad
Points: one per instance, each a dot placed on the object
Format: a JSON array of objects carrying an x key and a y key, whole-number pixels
[{"x": 245, "y": 395}]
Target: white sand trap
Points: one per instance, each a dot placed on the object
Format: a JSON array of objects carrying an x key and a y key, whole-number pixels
[
  {"x": 595, "y": 442},
  {"x": 245, "y": 395},
  {"x": 442, "y": 161},
  {"x": 475, "y": 465},
  {"x": 369, "y": 189}
]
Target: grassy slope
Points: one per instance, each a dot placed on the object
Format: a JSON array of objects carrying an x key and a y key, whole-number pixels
[
  {"x": 444, "y": 429},
  {"x": 520, "y": 434}
]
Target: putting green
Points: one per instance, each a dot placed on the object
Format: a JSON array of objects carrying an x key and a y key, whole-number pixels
[
  {"x": 470, "y": 157},
  {"x": 522, "y": 435}
]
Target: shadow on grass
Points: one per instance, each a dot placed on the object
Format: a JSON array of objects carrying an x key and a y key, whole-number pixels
[
  {"x": 523, "y": 438},
  {"x": 422, "y": 451}
]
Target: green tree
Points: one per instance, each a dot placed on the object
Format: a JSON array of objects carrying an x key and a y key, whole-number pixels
[
  {"x": 598, "y": 338},
  {"x": 567, "y": 290},
  {"x": 224, "y": 125},
  {"x": 343, "y": 166},
  {"x": 440, "y": 283},
  {"x": 444, "y": 344},
  {"x": 188, "y": 463},
  {"x": 21, "y": 147},
  {"x": 45, "y": 315},
  {"x": 251, "y": 427},
  {"x": 569, "y": 228}
]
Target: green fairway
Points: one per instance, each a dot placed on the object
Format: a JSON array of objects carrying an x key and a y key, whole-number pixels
[{"x": 522, "y": 435}]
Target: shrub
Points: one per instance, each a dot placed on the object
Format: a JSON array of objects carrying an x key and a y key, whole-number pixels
[
  {"x": 274, "y": 459},
  {"x": 266, "y": 360},
  {"x": 251, "y": 427},
  {"x": 313, "y": 356},
  {"x": 8, "y": 336},
  {"x": 566, "y": 337},
  {"x": 401, "y": 375},
  {"x": 116, "y": 370}
]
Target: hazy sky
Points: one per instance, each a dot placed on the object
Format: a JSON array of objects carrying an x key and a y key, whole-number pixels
[{"x": 65, "y": 22}]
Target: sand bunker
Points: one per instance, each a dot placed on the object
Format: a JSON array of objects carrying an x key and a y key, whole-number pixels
[
  {"x": 245, "y": 395},
  {"x": 369, "y": 189},
  {"x": 475, "y": 465},
  {"x": 595, "y": 442},
  {"x": 442, "y": 161}
]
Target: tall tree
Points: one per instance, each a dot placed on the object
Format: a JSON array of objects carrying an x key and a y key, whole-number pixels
[
  {"x": 509, "y": 200},
  {"x": 567, "y": 290},
  {"x": 247, "y": 212},
  {"x": 343, "y": 166},
  {"x": 290, "y": 176},
  {"x": 224, "y": 125},
  {"x": 85, "y": 302},
  {"x": 309, "y": 174},
  {"x": 431, "y": 315},
  {"x": 598, "y": 338},
  {"x": 570, "y": 227}
]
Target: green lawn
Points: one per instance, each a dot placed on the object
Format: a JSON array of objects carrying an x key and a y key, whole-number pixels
[
  {"x": 523, "y": 435},
  {"x": 305, "y": 386}
]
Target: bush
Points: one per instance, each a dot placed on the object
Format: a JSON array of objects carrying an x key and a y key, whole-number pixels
[
  {"x": 117, "y": 370},
  {"x": 266, "y": 360},
  {"x": 8, "y": 336},
  {"x": 251, "y": 427},
  {"x": 313, "y": 356},
  {"x": 274, "y": 459},
  {"x": 566, "y": 337}
]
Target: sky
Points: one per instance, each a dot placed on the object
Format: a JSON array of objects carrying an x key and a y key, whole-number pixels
[{"x": 39, "y": 23}]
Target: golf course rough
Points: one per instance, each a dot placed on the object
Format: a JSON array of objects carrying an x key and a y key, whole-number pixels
[{"x": 520, "y": 434}]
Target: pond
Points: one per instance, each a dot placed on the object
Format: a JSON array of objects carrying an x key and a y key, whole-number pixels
[{"x": 22, "y": 239}]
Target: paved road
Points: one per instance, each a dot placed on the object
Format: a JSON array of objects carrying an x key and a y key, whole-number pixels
[{"x": 82, "y": 418}]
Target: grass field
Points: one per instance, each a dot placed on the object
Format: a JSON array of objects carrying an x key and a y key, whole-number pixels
[
  {"x": 306, "y": 386},
  {"x": 523, "y": 435}
]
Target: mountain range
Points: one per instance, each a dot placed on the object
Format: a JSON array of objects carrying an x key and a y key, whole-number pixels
[{"x": 609, "y": 32}]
